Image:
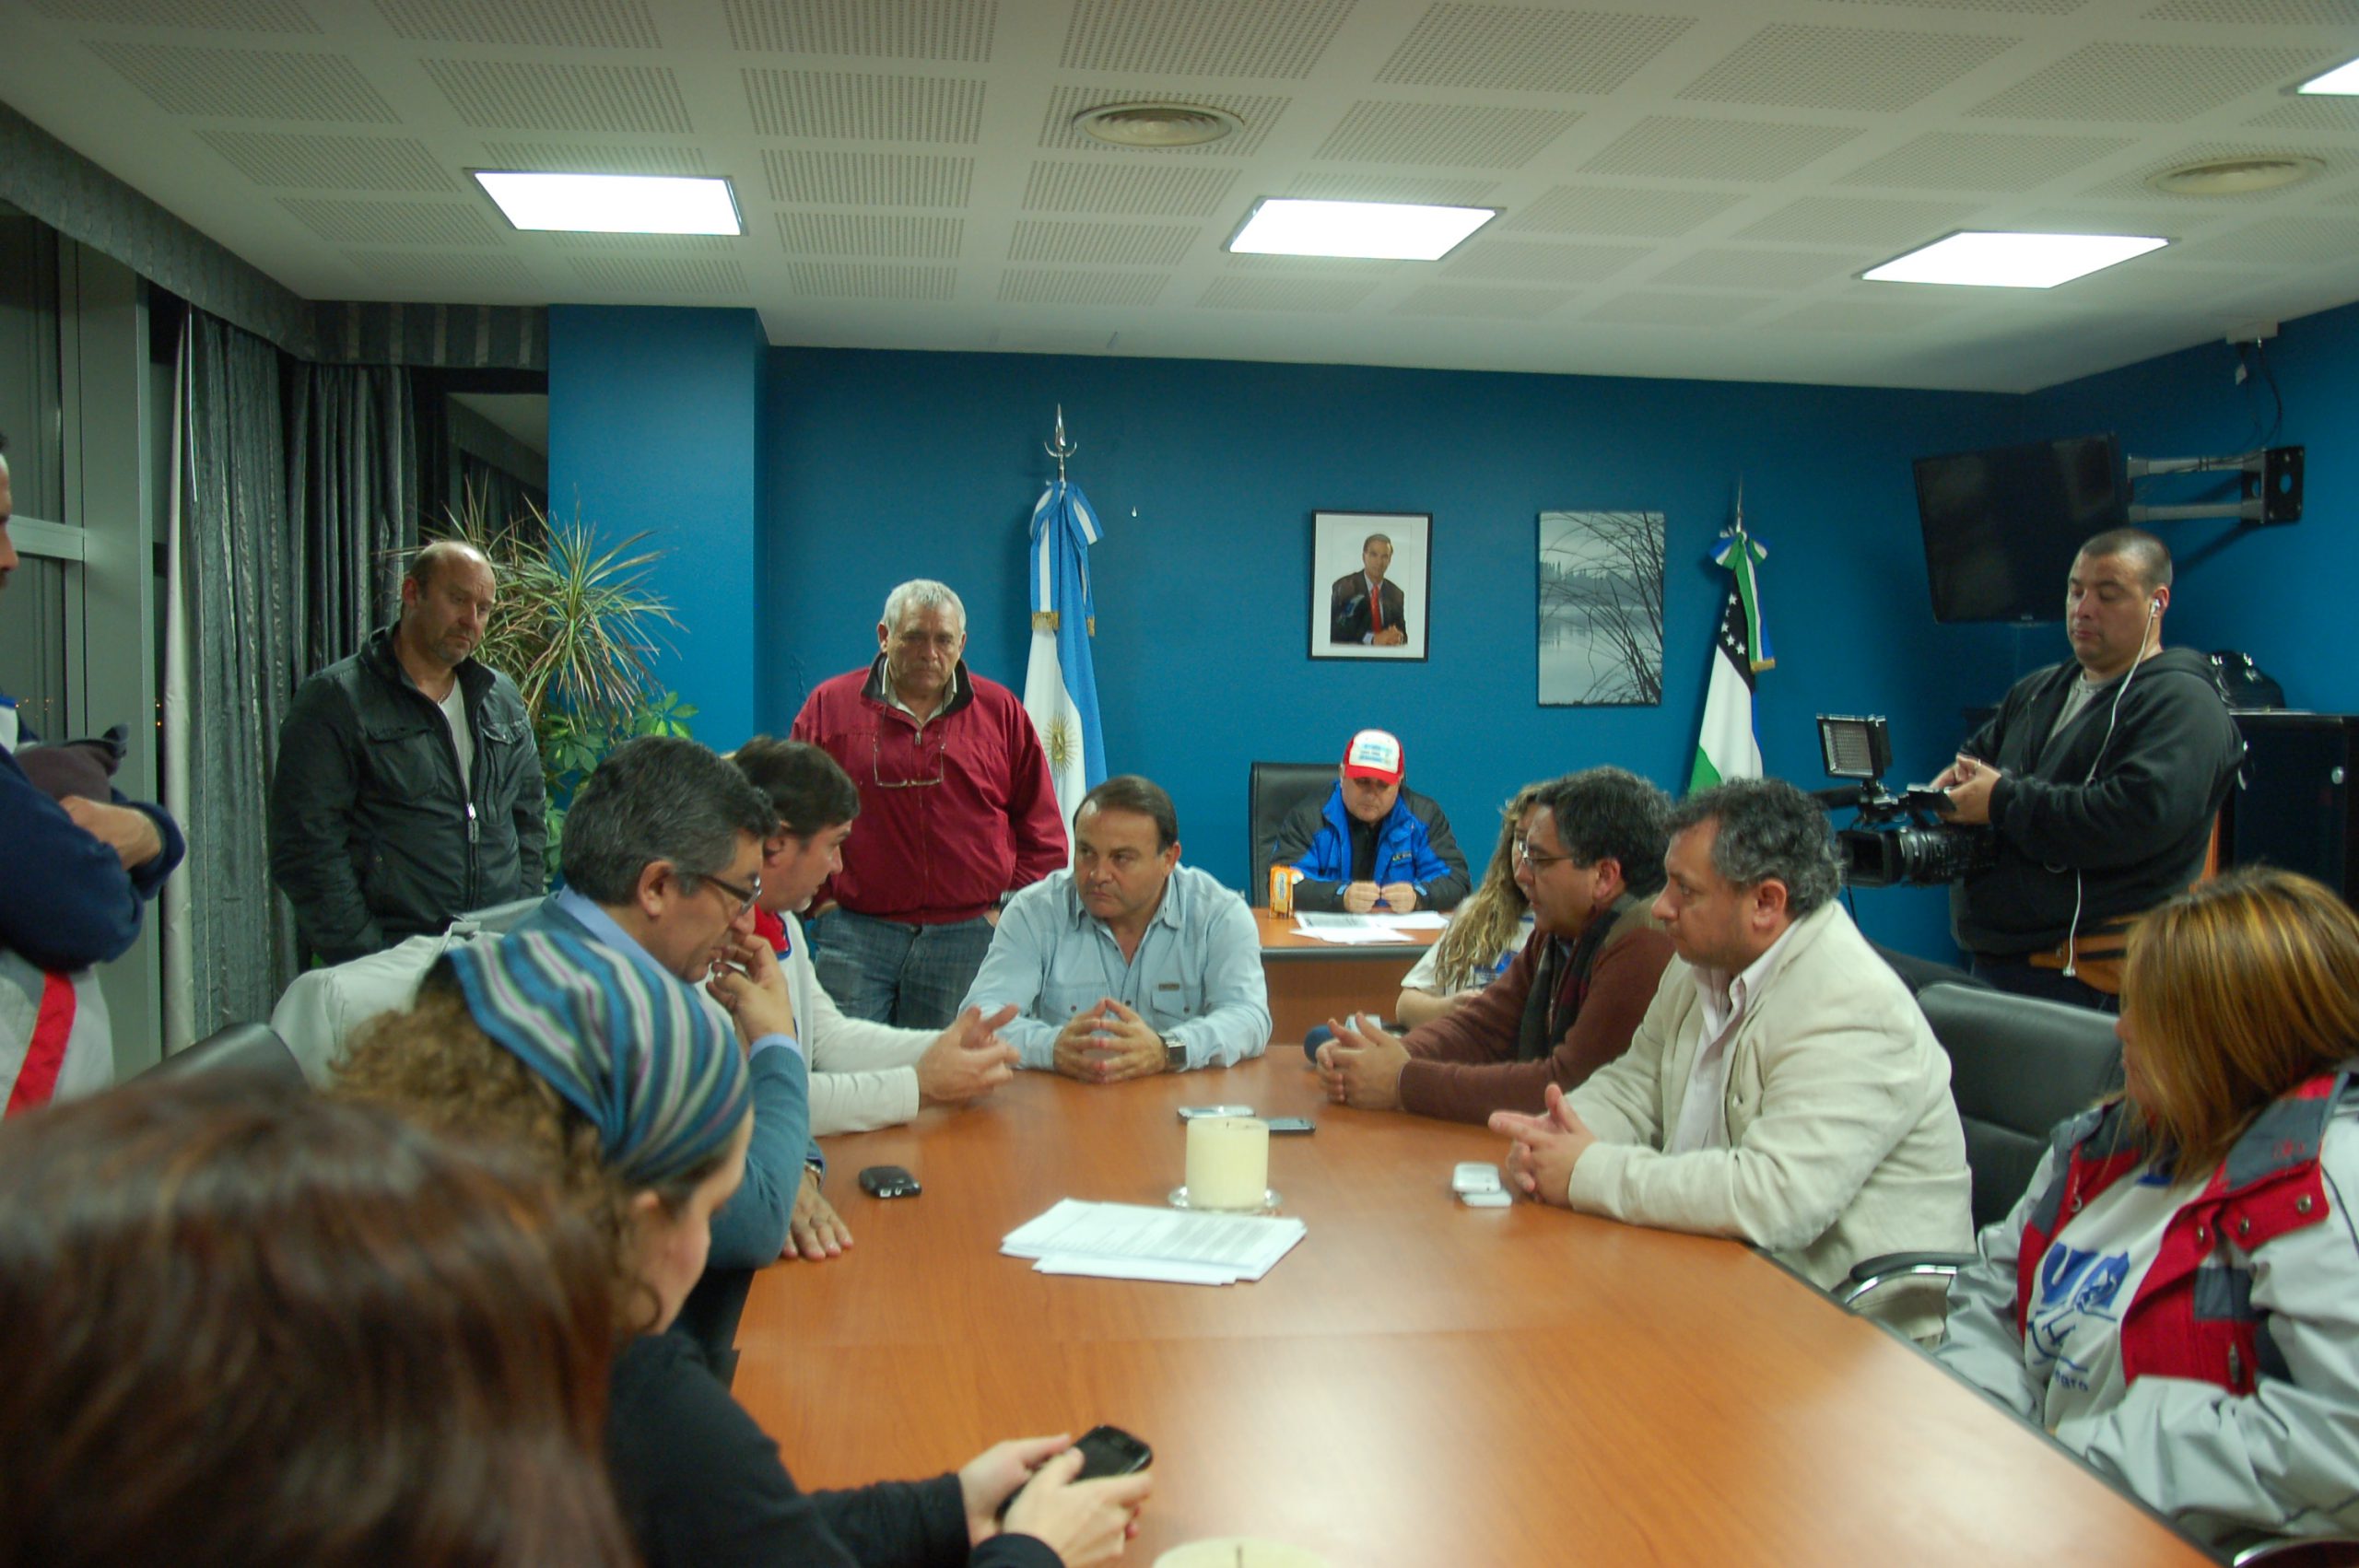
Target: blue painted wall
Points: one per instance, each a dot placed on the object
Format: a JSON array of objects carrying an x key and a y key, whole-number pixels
[
  {"x": 2281, "y": 594},
  {"x": 653, "y": 422},
  {"x": 889, "y": 465}
]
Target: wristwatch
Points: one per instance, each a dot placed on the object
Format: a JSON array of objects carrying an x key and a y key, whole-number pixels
[{"x": 1175, "y": 1057}]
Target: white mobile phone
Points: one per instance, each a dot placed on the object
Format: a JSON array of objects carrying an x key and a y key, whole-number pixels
[
  {"x": 1486, "y": 1199},
  {"x": 1475, "y": 1177},
  {"x": 1189, "y": 1113}
]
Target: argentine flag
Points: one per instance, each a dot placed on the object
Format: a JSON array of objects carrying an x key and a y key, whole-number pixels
[{"x": 1061, "y": 682}]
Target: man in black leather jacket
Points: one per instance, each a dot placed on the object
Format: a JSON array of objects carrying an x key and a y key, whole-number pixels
[
  {"x": 408, "y": 787},
  {"x": 2100, "y": 779}
]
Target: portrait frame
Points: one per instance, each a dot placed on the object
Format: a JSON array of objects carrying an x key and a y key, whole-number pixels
[{"x": 1345, "y": 626}]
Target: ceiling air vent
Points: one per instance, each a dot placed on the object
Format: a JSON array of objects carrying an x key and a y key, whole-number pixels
[
  {"x": 1156, "y": 125},
  {"x": 2236, "y": 176}
]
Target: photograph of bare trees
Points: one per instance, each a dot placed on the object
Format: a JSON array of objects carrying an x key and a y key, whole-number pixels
[{"x": 1601, "y": 609}]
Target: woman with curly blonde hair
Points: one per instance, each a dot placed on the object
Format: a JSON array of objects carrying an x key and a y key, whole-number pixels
[
  {"x": 1484, "y": 934},
  {"x": 2177, "y": 1295}
]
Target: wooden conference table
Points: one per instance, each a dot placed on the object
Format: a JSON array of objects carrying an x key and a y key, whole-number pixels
[
  {"x": 1312, "y": 981},
  {"x": 1415, "y": 1385}
]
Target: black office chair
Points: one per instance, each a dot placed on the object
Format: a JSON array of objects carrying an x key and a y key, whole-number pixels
[
  {"x": 240, "y": 1047},
  {"x": 2018, "y": 1066},
  {"x": 1272, "y": 791}
]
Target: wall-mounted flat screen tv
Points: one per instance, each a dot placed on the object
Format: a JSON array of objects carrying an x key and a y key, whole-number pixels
[{"x": 2001, "y": 526}]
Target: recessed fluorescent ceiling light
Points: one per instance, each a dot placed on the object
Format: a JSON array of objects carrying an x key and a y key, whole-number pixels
[
  {"x": 1392, "y": 232},
  {"x": 2012, "y": 261},
  {"x": 615, "y": 203},
  {"x": 2344, "y": 79}
]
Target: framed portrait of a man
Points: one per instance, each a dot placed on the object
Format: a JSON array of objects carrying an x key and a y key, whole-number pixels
[{"x": 1369, "y": 577}]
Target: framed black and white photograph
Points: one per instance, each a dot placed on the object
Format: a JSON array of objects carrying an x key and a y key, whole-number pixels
[
  {"x": 1601, "y": 609},
  {"x": 1370, "y": 573}
]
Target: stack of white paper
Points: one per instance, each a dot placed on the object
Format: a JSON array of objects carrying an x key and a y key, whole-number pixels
[{"x": 1129, "y": 1240}]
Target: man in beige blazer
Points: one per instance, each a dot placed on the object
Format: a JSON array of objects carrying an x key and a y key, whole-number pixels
[{"x": 1783, "y": 1088}]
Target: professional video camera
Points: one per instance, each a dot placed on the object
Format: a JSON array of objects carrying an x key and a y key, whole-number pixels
[{"x": 1898, "y": 839}]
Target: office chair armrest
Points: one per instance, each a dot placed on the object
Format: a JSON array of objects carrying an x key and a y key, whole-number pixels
[
  {"x": 2306, "y": 1551},
  {"x": 1872, "y": 1274}
]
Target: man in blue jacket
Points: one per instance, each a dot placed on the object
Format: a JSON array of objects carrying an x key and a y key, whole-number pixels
[
  {"x": 75, "y": 874},
  {"x": 1372, "y": 844}
]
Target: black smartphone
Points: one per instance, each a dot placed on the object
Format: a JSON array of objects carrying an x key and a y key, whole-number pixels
[
  {"x": 889, "y": 1181},
  {"x": 1105, "y": 1451},
  {"x": 1281, "y": 1123}
]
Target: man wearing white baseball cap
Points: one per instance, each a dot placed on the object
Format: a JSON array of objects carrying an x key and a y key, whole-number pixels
[{"x": 1371, "y": 843}]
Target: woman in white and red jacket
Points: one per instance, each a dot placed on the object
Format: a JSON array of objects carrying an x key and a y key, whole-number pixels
[{"x": 2177, "y": 1295}]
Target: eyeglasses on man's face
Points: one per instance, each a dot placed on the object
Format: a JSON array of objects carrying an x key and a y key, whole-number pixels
[
  {"x": 1537, "y": 862},
  {"x": 745, "y": 895}
]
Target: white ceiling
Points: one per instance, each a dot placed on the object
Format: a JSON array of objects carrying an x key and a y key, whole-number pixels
[{"x": 1690, "y": 188}]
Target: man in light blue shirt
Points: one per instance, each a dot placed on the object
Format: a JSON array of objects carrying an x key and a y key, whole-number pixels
[
  {"x": 1128, "y": 964},
  {"x": 662, "y": 856}
]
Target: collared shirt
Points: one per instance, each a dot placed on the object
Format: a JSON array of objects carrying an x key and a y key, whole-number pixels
[
  {"x": 608, "y": 931},
  {"x": 1704, "y": 1114},
  {"x": 1196, "y": 977},
  {"x": 949, "y": 695}
]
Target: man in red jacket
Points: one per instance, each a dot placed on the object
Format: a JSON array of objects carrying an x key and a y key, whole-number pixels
[
  {"x": 1590, "y": 859},
  {"x": 957, "y": 812}
]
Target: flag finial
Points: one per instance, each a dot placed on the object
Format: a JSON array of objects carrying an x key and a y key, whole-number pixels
[{"x": 1061, "y": 448}]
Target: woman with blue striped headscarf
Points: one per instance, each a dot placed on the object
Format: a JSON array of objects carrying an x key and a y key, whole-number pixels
[{"x": 633, "y": 1097}]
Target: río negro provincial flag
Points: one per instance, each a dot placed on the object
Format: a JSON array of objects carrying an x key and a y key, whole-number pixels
[{"x": 1725, "y": 747}]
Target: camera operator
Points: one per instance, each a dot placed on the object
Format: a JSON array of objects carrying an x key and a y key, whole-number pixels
[{"x": 2099, "y": 778}]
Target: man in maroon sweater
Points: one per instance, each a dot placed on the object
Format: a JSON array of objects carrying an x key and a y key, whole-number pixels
[
  {"x": 957, "y": 812},
  {"x": 1589, "y": 857}
]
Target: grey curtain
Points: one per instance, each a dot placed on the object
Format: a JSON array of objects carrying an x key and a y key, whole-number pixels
[
  {"x": 238, "y": 584},
  {"x": 352, "y": 502}
]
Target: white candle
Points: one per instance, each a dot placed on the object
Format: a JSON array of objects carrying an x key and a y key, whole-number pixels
[
  {"x": 1228, "y": 1162},
  {"x": 1231, "y": 1552}
]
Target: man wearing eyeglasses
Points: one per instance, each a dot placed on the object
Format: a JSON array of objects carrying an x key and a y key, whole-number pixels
[
  {"x": 663, "y": 858},
  {"x": 957, "y": 812},
  {"x": 1589, "y": 859}
]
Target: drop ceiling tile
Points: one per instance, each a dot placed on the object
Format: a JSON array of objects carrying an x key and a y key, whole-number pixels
[
  {"x": 903, "y": 236},
  {"x": 504, "y": 95},
  {"x": 256, "y": 84},
  {"x": 639, "y": 244},
  {"x": 2318, "y": 113},
  {"x": 1541, "y": 261},
  {"x": 525, "y": 24},
  {"x": 462, "y": 278},
  {"x": 1125, "y": 190},
  {"x": 1843, "y": 68},
  {"x": 1461, "y": 135},
  {"x": 584, "y": 157},
  {"x": 852, "y": 107},
  {"x": 1844, "y": 221},
  {"x": 393, "y": 223},
  {"x": 1260, "y": 116},
  {"x": 2160, "y": 84},
  {"x": 217, "y": 15},
  {"x": 894, "y": 30},
  {"x": 1436, "y": 189},
  {"x": 1281, "y": 38},
  {"x": 1309, "y": 267},
  {"x": 708, "y": 277},
  {"x": 868, "y": 179},
  {"x": 2259, "y": 13},
  {"x": 1322, "y": 296},
  {"x": 1116, "y": 245},
  {"x": 2042, "y": 8},
  {"x": 1525, "y": 49},
  {"x": 870, "y": 280},
  {"x": 1669, "y": 147},
  {"x": 1974, "y": 161},
  {"x": 347, "y": 163},
  {"x": 1763, "y": 269},
  {"x": 1050, "y": 285},
  {"x": 2284, "y": 242},
  {"x": 1495, "y": 304},
  {"x": 1650, "y": 308},
  {"x": 1618, "y": 209},
  {"x": 1861, "y": 316}
]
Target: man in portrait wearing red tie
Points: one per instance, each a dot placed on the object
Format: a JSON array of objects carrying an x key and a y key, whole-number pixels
[{"x": 1366, "y": 609}]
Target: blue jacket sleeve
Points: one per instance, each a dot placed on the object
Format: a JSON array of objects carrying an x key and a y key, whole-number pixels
[
  {"x": 750, "y": 1230},
  {"x": 66, "y": 901}
]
